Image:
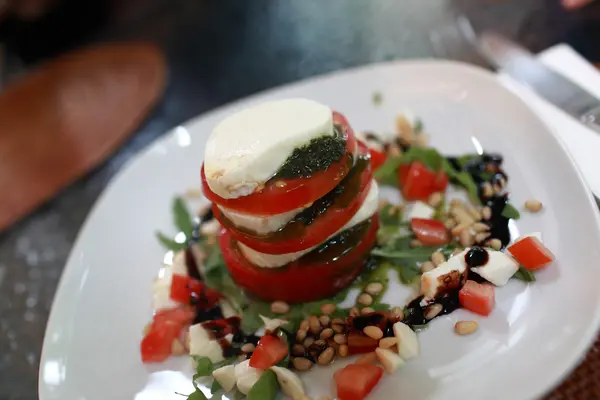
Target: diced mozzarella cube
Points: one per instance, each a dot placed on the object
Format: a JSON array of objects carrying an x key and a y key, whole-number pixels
[
  {"x": 449, "y": 275},
  {"x": 420, "y": 210},
  {"x": 161, "y": 291},
  {"x": 499, "y": 268},
  {"x": 290, "y": 383},
  {"x": 226, "y": 377},
  {"x": 201, "y": 344},
  {"x": 390, "y": 360},
  {"x": 179, "y": 265},
  {"x": 226, "y": 309},
  {"x": 408, "y": 343},
  {"x": 246, "y": 376}
]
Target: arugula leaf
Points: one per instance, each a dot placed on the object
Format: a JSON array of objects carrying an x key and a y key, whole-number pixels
[
  {"x": 380, "y": 306},
  {"x": 183, "y": 220},
  {"x": 169, "y": 243},
  {"x": 215, "y": 387},
  {"x": 387, "y": 174},
  {"x": 466, "y": 159},
  {"x": 510, "y": 211},
  {"x": 463, "y": 179},
  {"x": 197, "y": 395},
  {"x": 265, "y": 388},
  {"x": 427, "y": 155},
  {"x": 408, "y": 274},
  {"x": 390, "y": 215},
  {"x": 524, "y": 275},
  {"x": 204, "y": 367}
]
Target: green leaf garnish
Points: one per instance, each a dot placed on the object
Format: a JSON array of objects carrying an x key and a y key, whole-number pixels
[
  {"x": 387, "y": 174},
  {"x": 169, "y": 243},
  {"x": 427, "y": 155},
  {"x": 408, "y": 274},
  {"x": 524, "y": 275},
  {"x": 377, "y": 99},
  {"x": 204, "y": 367},
  {"x": 197, "y": 395},
  {"x": 510, "y": 211},
  {"x": 418, "y": 127},
  {"x": 265, "y": 388},
  {"x": 215, "y": 387},
  {"x": 463, "y": 179},
  {"x": 183, "y": 220}
]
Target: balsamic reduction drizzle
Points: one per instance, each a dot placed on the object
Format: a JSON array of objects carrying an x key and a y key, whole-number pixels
[{"x": 414, "y": 313}]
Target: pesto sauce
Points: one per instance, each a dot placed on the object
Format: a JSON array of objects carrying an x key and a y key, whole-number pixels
[{"x": 316, "y": 156}]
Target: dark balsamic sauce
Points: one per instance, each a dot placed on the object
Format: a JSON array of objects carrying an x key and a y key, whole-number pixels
[
  {"x": 498, "y": 223},
  {"x": 476, "y": 257},
  {"x": 414, "y": 313}
]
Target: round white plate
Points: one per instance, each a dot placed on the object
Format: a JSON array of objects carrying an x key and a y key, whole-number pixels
[{"x": 536, "y": 334}]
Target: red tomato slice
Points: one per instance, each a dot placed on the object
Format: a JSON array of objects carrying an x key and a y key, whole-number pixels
[
  {"x": 275, "y": 199},
  {"x": 440, "y": 183},
  {"x": 378, "y": 158},
  {"x": 531, "y": 253},
  {"x": 356, "y": 381},
  {"x": 476, "y": 297},
  {"x": 269, "y": 351},
  {"x": 166, "y": 327},
  {"x": 418, "y": 183},
  {"x": 359, "y": 343},
  {"x": 297, "y": 236},
  {"x": 187, "y": 290},
  {"x": 430, "y": 232},
  {"x": 302, "y": 280}
]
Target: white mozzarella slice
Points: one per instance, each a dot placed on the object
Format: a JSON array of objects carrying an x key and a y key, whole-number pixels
[
  {"x": 408, "y": 343},
  {"x": 366, "y": 210},
  {"x": 201, "y": 344},
  {"x": 420, "y": 210},
  {"x": 247, "y": 148},
  {"x": 260, "y": 224},
  {"x": 226, "y": 377},
  {"x": 499, "y": 268},
  {"x": 448, "y": 275},
  {"x": 246, "y": 376}
]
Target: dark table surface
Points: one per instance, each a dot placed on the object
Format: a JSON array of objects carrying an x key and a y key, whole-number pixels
[{"x": 219, "y": 51}]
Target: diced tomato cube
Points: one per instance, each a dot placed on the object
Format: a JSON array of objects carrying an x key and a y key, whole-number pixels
[
  {"x": 418, "y": 183},
  {"x": 184, "y": 288},
  {"x": 166, "y": 327},
  {"x": 476, "y": 297},
  {"x": 378, "y": 158},
  {"x": 359, "y": 343},
  {"x": 356, "y": 381},
  {"x": 531, "y": 253},
  {"x": 403, "y": 173},
  {"x": 180, "y": 291},
  {"x": 440, "y": 183},
  {"x": 269, "y": 351},
  {"x": 430, "y": 232}
]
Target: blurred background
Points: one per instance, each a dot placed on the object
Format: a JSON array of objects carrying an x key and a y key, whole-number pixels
[{"x": 215, "y": 51}]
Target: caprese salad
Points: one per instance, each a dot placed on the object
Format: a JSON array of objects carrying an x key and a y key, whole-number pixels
[{"x": 254, "y": 283}]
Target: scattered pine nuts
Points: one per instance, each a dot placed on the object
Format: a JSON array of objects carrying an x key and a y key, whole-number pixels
[
  {"x": 369, "y": 358},
  {"x": 326, "y": 356},
  {"x": 340, "y": 339},
  {"x": 466, "y": 327},
  {"x": 365, "y": 299},
  {"x": 301, "y": 335},
  {"x": 177, "y": 348},
  {"x": 302, "y": 364},
  {"x": 315, "y": 324},
  {"x": 465, "y": 238},
  {"x": 280, "y": 307},
  {"x": 433, "y": 311},
  {"x": 374, "y": 332},
  {"x": 338, "y": 325},
  {"x": 324, "y": 320},
  {"x": 495, "y": 244},
  {"x": 382, "y": 204},
  {"x": 438, "y": 258},
  {"x": 247, "y": 348},
  {"x": 450, "y": 223},
  {"x": 427, "y": 266},
  {"x": 298, "y": 350},
  {"x": 354, "y": 312},
  {"x": 486, "y": 213},
  {"x": 343, "y": 350},
  {"x": 366, "y": 311},
  {"x": 480, "y": 227},
  {"x": 474, "y": 212},
  {"x": 533, "y": 205},
  {"x": 304, "y": 325},
  {"x": 459, "y": 228},
  {"x": 482, "y": 236},
  {"x": 328, "y": 308},
  {"x": 308, "y": 342},
  {"x": 374, "y": 288},
  {"x": 326, "y": 334},
  {"x": 461, "y": 215},
  {"x": 388, "y": 342},
  {"x": 456, "y": 203},
  {"x": 435, "y": 199}
]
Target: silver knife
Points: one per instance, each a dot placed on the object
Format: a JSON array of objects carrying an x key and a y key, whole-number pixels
[{"x": 522, "y": 66}]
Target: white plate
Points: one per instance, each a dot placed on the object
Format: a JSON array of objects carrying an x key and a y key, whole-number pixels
[{"x": 534, "y": 337}]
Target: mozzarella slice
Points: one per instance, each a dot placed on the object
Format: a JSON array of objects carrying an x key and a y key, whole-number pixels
[
  {"x": 226, "y": 377},
  {"x": 420, "y": 210},
  {"x": 247, "y": 148},
  {"x": 259, "y": 224},
  {"x": 499, "y": 268},
  {"x": 366, "y": 210},
  {"x": 408, "y": 343},
  {"x": 390, "y": 360},
  {"x": 202, "y": 344},
  {"x": 290, "y": 383},
  {"x": 445, "y": 277},
  {"x": 246, "y": 376}
]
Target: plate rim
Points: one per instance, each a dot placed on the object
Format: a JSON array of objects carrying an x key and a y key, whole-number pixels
[{"x": 571, "y": 362}]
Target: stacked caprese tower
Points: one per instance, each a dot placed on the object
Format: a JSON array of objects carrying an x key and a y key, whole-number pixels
[{"x": 293, "y": 189}]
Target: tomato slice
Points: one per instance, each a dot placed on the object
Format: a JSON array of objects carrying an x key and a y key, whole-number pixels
[
  {"x": 277, "y": 199},
  {"x": 312, "y": 277},
  {"x": 477, "y": 297},
  {"x": 418, "y": 184},
  {"x": 166, "y": 327},
  {"x": 356, "y": 381},
  {"x": 269, "y": 351},
  {"x": 187, "y": 290},
  {"x": 531, "y": 253},
  {"x": 430, "y": 232},
  {"x": 378, "y": 158},
  {"x": 296, "y": 235}
]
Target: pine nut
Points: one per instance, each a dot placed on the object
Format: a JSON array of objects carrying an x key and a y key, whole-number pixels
[
  {"x": 247, "y": 348},
  {"x": 394, "y": 151},
  {"x": 465, "y": 238},
  {"x": 459, "y": 228},
  {"x": 374, "y": 332},
  {"x": 354, "y": 312},
  {"x": 435, "y": 199},
  {"x": 366, "y": 311},
  {"x": 497, "y": 188},
  {"x": 328, "y": 308},
  {"x": 326, "y": 356},
  {"x": 298, "y": 350},
  {"x": 480, "y": 237},
  {"x": 365, "y": 299},
  {"x": 433, "y": 311},
  {"x": 486, "y": 213},
  {"x": 177, "y": 348},
  {"x": 302, "y": 364},
  {"x": 326, "y": 334},
  {"x": 301, "y": 335},
  {"x": 480, "y": 227},
  {"x": 495, "y": 244},
  {"x": 533, "y": 205},
  {"x": 474, "y": 212},
  {"x": 324, "y": 321},
  {"x": 280, "y": 307},
  {"x": 388, "y": 342},
  {"x": 461, "y": 215},
  {"x": 398, "y": 312},
  {"x": 488, "y": 191},
  {"x": 438, "y": 258},
  {"x": 304, "y": 325},
  {"x": 340, "y": 339},
  {"x": 343, "y": 350},
  {"x": 374, "y": 288},
  {"x": 369, "y": 358},
  {"x": 450, "y": 223},
  {"x": 338, "y": 325},
  {"x": 315, "y": 325},
  {"x": 308, "y": 342},
  {"x": 427, "y": 266},
  {"x": 466, "y": 327}
]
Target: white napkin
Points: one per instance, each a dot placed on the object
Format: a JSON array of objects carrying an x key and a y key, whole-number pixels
[{"x": 583, "y": 143}]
